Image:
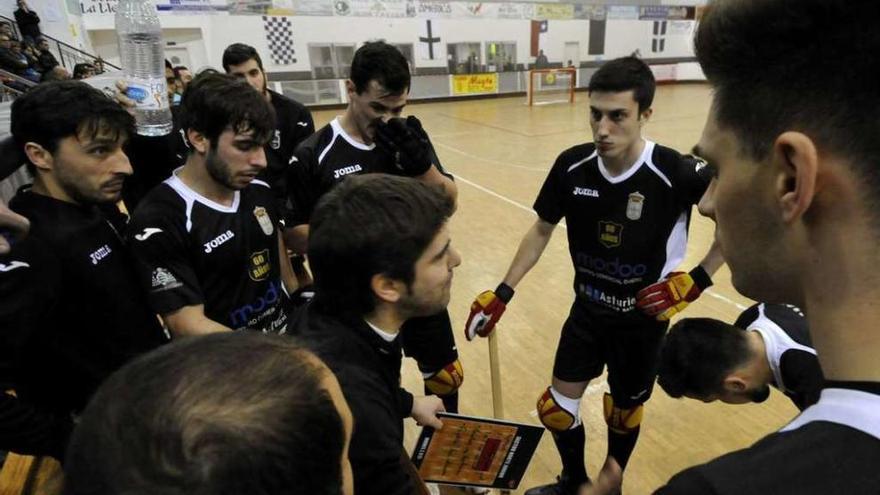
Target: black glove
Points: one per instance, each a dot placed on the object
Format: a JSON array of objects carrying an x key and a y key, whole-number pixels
[{"x": 407, "y": 143}]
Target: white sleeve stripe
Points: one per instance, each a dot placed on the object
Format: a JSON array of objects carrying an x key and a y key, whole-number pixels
[
  {"x": 260, "y": 183},
  {"x": 657, "y": 171},
  {"x": 327, "y": 149},
  {"x": 585, "y": 160},
  {"x": 676, "y": 245}
]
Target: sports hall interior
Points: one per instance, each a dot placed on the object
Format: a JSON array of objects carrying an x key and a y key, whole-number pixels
[{"x": 499, "y": 150}]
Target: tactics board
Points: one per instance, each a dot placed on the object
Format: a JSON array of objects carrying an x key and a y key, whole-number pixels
[{"x": 476, "y": 451}]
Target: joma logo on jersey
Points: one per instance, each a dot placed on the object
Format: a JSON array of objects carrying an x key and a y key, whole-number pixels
[
  {"x": 339, "y": 172},
  {"x": 217, "y": 241},
  {"x": 586, "y": 191},
  {"x": 100, "y": 254}
]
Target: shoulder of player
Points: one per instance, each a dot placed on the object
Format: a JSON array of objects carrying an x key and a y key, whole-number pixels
[
  {"x": 575, "y": 155},
  {"x": 28, "y": 257},
  {"x": 317, "y": 141},
  {"x": 161, "y": 206},
  {"x": 288, "y": 105}
]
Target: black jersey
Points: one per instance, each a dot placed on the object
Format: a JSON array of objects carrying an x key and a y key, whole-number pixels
[
  {"x": 792, "y": 359},
  {"x": 832, "y": 448},
  {"x": 191, "y": 250},
  {"x": 624, "y": 232},
  {"x": 293, "y": 124},
  {"x": 325, "y": 159},
  {"x": 72, "y": 312}
]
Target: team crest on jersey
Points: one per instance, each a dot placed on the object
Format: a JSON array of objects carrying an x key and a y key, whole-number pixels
[
  {"x": 162, "y": 279},
  {"x": 610, "y": 234},
  {"x": 258, "y": 268},
  {"x": 276, "y": 140},
  {"x": 263, "y": 219},
  {"x": 634, "y": 206}
]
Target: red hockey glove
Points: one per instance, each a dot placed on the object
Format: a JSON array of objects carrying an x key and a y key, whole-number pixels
[
  {"x": 671, "y": 295},
  {"x": 486, "y": 310}
]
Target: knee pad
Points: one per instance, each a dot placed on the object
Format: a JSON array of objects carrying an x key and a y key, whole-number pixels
[
  {"x": 447, "y": 380},
  {"x": 557, "y": 412},
  {"x": 619, "y": 420}
]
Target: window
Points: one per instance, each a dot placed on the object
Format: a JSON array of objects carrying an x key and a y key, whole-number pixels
[
  {"x": 500, "y": 56},
  {"x": 331, "y": 61},
  {"x": 463, "y": 58}
]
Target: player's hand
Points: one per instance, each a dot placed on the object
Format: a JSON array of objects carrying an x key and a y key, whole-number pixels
[
  {"x": 12, "y": 228},
  {"x": 121, "y": 97},
  {"x": 407, "y": 142},
  {"x": 486, "y": 310},
  {"x": 671, "y": 295},
  {"x": 609, "y": 480},
  {"x": 425, "y": 409}
]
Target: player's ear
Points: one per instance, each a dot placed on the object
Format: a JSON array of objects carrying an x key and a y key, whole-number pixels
[
  {"x": 386, "y": 288},
  {"x": 350, "y": 88},
  {"x": 198, "y": 140},
  {"x": 734, "y": 383},
  {"x": 646, "y": 114},
  {"x": 39, "y": 156},
  {"x": 796, "y": 161}
]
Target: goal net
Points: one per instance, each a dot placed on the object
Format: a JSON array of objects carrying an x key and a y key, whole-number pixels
[{"x": 551, "y": 86}]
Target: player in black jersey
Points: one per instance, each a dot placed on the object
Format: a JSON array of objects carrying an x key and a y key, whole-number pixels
[
  {"x": 768, "y": 345},
  {"x": 293, "y": 124},
  {"x": 71, "y": 308},
  {"x": 627, "y": 204},
  {"x": 793, "y": 142},
  {"x": 208, "y": 240},
  {"x": 371, "y": 138},
  {"x": 293, "y": 121}
]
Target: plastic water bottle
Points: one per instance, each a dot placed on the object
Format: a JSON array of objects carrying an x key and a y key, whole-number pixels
[{"x": 143, "y": 62}]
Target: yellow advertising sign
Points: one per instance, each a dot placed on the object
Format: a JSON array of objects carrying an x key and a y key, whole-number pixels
[
  {"x": 545, "y": 11},
  {"x": 474, "y": 84}
]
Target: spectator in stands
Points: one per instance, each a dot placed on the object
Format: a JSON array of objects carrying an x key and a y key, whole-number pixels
[
  {"x": 183, "y": 75},
  {"x": 14, "y": 60},
  {"x": 171, "y": 85},
  {"x": 99, "y": 65},
  {"x": 56, "y": 73},
  {"x": 182, "y": 420},
  {"x": 6, "y": 30},
  {"x": 83, "y": 71},
  {"x": 45, "y": 59},
  {"x": 28, "y": 22}
]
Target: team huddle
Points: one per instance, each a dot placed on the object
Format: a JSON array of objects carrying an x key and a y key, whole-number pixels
[{"x": 318, "y": 259}]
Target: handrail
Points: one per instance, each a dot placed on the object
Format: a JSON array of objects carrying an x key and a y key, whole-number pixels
[
  {"x": 17, "y": 78},
  {"x": 72, "y": 51}
]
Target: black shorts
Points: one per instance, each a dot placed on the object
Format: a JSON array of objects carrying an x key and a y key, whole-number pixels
[
  {"x": 628, "y": 343},
  {"x": 429, "y": 340}
]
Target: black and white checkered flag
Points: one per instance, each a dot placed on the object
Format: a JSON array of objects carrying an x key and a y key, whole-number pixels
[{"x": 279, "y": 36}]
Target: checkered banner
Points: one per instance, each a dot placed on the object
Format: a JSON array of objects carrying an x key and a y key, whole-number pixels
[{"x": 279, "y": 36}]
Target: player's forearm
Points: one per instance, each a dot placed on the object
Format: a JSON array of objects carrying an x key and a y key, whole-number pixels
[
  {"x": 713, "y": 259},
  {"x": 296, "y": 238},
  {"x": 433, "y": 176},
  {"x": 288, "y": 278},
  {"x": 191, "y": 321},
  {"x": 531, "y": 247}
]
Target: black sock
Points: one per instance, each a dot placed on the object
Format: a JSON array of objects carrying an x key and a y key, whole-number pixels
[
  {"x": 621, "y": 445},
  {"x": 450, "y": 401},
  {"x": 570, "y": 444}
]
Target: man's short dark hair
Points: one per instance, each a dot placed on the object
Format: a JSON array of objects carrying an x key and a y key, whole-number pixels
[
  {"x": 178, "y": 69},
  {"x": 807, "y": 70},
  {"x": 626, "y": 74},
  {"x": 228, "y": 413},
  {"x": 86, "y": 112},
  {"x": 239, "y": 53},
  {"x": 378, "y": 61},
  {"x": 79, "y": 70},
  {"x": 368, "y": 225},
  {"x": 698, "y": 354},
  {"x": 214, "y": 102}
]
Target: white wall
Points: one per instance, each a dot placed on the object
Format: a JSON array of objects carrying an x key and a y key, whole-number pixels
[{"x": 218, "y": 31}]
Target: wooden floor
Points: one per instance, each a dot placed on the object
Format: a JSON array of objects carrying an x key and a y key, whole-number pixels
[{"x": 500, "y": 151}]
